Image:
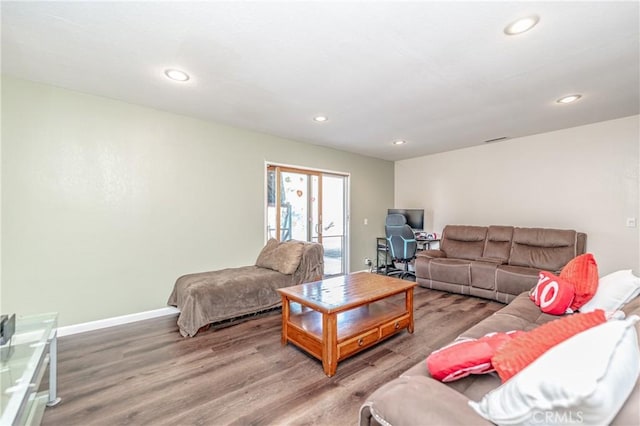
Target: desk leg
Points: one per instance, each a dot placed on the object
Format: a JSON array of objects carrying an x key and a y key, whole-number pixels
[
  {"x": 329, "y": 344},
  {"x": 53, "y": 370},
  {"x": 286, "y": 312},
  {"x": 409, "y": 307}
]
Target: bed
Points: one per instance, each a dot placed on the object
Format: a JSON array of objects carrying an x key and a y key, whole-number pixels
[{"x": 208, "y": 297}]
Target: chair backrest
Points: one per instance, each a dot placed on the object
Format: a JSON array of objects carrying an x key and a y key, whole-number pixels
[{"x": 401, "y": 239}]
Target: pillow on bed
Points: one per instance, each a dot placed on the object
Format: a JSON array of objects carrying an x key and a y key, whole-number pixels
[
  {"x": 282, "y": 257},
  {"x": 264, "y": 258}
]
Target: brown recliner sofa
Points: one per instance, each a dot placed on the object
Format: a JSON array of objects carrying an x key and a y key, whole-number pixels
[{"x": 495, "y": 262}]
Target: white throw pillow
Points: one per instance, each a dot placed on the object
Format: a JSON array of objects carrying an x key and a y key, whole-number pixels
[
  {"x": 614, "y": 291},
  {"x": 583, "y": 380}
]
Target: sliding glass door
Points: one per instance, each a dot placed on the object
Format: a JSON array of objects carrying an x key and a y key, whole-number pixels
[
  {"x": 333, "y": 225},
  {"x": 309, "y": 205}
]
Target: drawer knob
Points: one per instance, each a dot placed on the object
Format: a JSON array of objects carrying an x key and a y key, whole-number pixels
[
  {"x": 397, "y": 325},
  {"x": 360, "y": 342}
]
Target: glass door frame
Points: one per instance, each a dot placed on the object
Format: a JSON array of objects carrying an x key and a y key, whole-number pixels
[
  {"x": 310, "y": 203},
  {"x": 310, "y": 172}
]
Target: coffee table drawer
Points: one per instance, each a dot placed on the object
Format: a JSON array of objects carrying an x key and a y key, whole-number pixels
[
  {"x": 393, "y": 326},
  {"x": 354, "y": 344}
]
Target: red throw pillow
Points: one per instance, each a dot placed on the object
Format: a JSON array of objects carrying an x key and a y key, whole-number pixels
[
  {"x": 582, "y": 272},
  {"x": 523, "y": 349},
  {"x": 553, "y": 294},
  {"x": 466, "y": 357}
]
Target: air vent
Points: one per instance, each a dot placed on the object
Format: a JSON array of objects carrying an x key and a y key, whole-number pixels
[{"x": 496, "y": 139}]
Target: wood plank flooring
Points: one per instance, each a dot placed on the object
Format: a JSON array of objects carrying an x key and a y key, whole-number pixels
[{"x": 147, "y": 374}]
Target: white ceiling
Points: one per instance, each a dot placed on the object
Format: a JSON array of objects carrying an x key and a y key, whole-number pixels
[{"x": 441, "y": 75}]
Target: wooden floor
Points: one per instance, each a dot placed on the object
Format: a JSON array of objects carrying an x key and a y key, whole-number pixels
[{"x": 147, "y": 374}]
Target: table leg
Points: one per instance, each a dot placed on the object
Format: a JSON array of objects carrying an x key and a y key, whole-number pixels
[
  {"x": 286, "y": 312},
  {"x": 409, "y": 307},
  {"x": 329, "y": 344},
  {"x": 53, "y": 371}
]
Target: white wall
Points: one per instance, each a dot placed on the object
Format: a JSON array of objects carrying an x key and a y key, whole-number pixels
[
  {"x": 105, "y": 204},
  {"x": 585, "y": 178}
]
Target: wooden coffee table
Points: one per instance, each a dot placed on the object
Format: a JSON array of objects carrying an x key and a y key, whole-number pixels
[{"x": 341, "y": 316}]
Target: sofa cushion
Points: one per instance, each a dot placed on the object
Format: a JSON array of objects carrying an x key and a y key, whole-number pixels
[
  {"x": 525, "y": 348},
  {"x": 522, "y": 307},
  {"x": 548, "y": 249},
  {"x": 454, "y": 271},
  {"x": 498, "y": 242},
  {"x": 463, "y": 242},
  {"x": 549, "y": 388},
  {"x": 582, "y": 272},
  {"x": 401, "y": 402},
  {"x": 545, "y": 237},
  {"x": 473, "y": 387},
  {"x": 483, "y": 274},
  {"x": 520, "y": 314},
  {"x": 515, "y": 279}
]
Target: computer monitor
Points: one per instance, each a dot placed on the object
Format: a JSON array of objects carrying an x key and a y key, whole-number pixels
[{"x": 415, "y": 217}]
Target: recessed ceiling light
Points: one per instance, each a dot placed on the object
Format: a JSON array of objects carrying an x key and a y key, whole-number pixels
[
  {"x": 399, "y": 142},
  {"x": 521, "y": 25},
  {"x": 176, "y": 75},
  {"x": 568, "y": 99},
  {"x": 320, "y": 118}
]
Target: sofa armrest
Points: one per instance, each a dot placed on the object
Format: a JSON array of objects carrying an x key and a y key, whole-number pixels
[
  {"x": 432, "y": 254},
  {"x": 417, "y": 400}
]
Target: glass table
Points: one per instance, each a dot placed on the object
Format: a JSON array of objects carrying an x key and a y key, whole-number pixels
[{"x": 23, "y": 362}]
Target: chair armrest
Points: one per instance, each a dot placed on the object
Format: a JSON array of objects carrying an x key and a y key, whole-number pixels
[
  {"x": 418, "y": 400},
  {"x": 433, "y": 254}
]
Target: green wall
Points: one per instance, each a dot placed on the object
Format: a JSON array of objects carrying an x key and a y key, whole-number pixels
[{"x": 105, "y": 203}]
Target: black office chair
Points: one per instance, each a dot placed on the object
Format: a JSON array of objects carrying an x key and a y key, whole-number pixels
[{"x": 402, "y": 243}]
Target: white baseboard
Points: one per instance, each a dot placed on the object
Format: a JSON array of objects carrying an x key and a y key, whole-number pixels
[{"x": 68, "y": 330}]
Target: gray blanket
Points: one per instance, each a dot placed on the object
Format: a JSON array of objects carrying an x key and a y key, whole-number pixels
[{"x": 207, "y": 297}]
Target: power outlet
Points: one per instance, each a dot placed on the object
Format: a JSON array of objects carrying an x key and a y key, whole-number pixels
[
  {"x": 367, "y": 261},
  {"x": 631, "y": 222}
]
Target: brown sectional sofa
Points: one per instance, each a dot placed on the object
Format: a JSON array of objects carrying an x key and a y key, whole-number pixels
[
  {"x": 415, "y": 398},
  {"x": 495, "y": 262}
]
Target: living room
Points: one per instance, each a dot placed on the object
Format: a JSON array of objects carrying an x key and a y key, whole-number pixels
[{"x": 107, "y": 200}]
